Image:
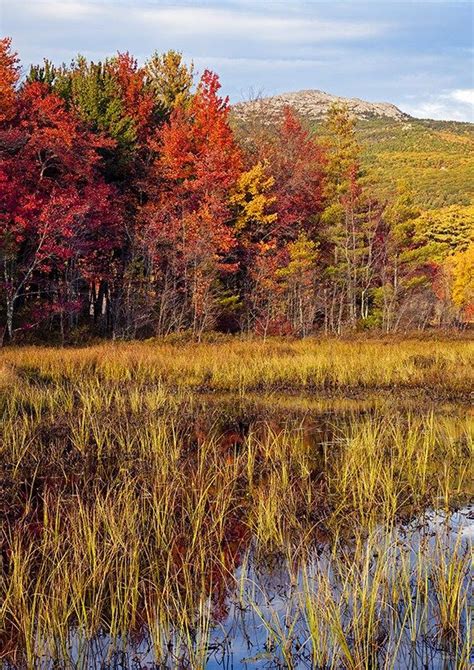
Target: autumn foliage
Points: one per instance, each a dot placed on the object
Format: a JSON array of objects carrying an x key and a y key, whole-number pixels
[{"x": 132, "y": 204}]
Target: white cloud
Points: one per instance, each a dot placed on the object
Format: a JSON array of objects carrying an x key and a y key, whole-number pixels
[
  {"x": 231, "y": 23},
  {"x": 465, "y": 95},
  {"x": 455, "y": 105},
  {"x": 250, "y": 64},
  {"x": 60, "y": 10}
]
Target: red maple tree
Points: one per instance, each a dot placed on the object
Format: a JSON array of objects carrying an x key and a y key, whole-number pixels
[
  {"x": 188, "y": 229},
  {"x": 56, "y": 212}
]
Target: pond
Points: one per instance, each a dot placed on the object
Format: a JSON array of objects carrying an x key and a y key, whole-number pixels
[{"x": 227, "y": 532}]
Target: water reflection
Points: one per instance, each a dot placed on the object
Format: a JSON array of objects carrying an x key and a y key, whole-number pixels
[{"x": 265, "y": 610}]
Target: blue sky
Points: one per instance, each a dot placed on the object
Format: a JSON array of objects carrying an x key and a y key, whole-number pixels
[{"x": 418, "y": 55}]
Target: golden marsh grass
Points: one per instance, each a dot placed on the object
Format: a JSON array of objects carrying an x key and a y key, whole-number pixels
[{"x": 442, "y": 368}]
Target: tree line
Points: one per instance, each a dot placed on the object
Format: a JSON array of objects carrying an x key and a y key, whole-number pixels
[{"x": 132, "y": 204}]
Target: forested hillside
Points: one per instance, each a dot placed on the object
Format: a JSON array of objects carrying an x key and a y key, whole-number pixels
[
  {"x": 133, "y": 203},
  {"x": 435, "y": 158}
]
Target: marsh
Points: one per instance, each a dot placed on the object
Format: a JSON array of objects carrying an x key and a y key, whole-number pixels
[{"x": 267, "y": 505}]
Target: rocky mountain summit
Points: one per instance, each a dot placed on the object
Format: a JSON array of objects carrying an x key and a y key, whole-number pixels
[{"x": 314, "y": 104}]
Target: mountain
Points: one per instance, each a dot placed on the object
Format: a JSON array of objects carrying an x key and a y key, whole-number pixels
[
  {"x": 314, "y": 105},
  {"x": 434, "y": 158}
]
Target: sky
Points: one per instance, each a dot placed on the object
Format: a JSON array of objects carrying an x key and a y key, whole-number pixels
[{"x": 418, "y": 55}]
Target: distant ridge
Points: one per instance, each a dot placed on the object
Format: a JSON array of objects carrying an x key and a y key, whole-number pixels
[{"x": 315, "y": 104}]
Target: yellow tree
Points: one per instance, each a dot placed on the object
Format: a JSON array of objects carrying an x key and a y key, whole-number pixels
[
  {"x": 446, "y": 238},
  {"x": 461, "y": 266},
  {"x": 251, "y": 198},
  {"x": 299, "y": 278}
]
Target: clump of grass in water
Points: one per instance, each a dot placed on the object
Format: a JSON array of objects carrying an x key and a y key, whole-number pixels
[{"x": 371, "y": 607}]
